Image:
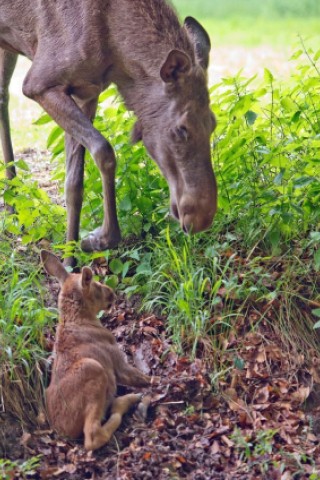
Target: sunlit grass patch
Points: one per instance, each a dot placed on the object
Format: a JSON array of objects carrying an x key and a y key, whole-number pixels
[{"x": 24, "y": 321}]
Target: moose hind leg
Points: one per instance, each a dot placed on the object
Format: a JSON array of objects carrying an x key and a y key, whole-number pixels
[
  {"x": 8, "y": 62},
  {"x": 74, "y": 180},
  {"x": 96, "y": 435},
  {"x": 73, "y": 186}
]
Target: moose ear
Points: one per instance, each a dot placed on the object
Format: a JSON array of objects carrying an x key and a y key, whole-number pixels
[
  {"x": 201, "y": 40},
  {"x": 53, "y": 266},
  {"x": 86, "y": 278},
  {"x": 136, "y": 134},
  {"x": 176, "y": 65}
]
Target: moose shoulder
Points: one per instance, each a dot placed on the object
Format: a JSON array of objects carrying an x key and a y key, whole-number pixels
[{"x": 77, "y": 49}]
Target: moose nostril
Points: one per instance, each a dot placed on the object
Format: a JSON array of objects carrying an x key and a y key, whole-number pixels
[
  {"x": 186, "y": 228},
  {"x": 174, "y": 211}
]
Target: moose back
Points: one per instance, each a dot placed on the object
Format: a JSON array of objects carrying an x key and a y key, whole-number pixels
[{"x": 77, "y": 48}]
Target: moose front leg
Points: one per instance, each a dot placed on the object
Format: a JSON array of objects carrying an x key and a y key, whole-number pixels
[
  {"x": 108, "y": 235},
  {"x": 63, "y": 109},
  {"x": 8, "y": 62}
]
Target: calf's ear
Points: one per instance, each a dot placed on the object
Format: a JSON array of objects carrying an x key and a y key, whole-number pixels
[
  {"x": 53, "y": 266},
  {"x": 201, "y": 40},
  {"x": 176, "y": 65},
  {"x": 86, "y": 278}
]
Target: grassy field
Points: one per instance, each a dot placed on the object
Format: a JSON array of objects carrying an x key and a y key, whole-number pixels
[
  {"x": 254, "y": 23},
  {"x": 249, "y": 8}
]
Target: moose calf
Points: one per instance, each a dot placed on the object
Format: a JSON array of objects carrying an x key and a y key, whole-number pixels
[{"x": 88, "y": 364}]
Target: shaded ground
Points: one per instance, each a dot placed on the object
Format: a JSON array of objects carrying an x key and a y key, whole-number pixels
[{"x": 251, "y": 425}]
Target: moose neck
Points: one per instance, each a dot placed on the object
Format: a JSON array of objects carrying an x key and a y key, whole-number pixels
[
  {"x": 142, "y": 37},
  {"x": 73, "y": 311}
]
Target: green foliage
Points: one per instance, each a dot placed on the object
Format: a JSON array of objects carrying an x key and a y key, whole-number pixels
[
  {"x": 266, "y": 158},
  {"x": 142, "y": 193},
  {"x": 23, "y": 316},
  {"x": 254, "y": 448},
  {"x": 267, "y": 153},
  {"x": 184, "y": 282},
  {"x": 10, "y": 470},
  {"x": 36, "y": 216}
]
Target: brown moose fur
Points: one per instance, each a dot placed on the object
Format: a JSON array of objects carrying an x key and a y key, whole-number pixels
[{"x": 88, "y": 364}]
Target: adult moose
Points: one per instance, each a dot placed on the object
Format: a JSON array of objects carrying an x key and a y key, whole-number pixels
[{"x": 77, "y": 48}]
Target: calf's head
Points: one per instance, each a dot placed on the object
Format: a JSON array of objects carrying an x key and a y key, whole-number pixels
[
  {"x": 81, "y": 297},
  {"x": 176, "y": 129}
]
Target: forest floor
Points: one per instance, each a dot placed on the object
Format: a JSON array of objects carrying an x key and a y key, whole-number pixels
[{"x": 262, "y": 422}]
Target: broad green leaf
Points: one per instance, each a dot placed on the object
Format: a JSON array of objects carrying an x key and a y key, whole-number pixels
[
  {"x": 303, "y": 182},
  {"x": 56, "y": 132},
  {"x": 288, "y": 104},
  {"x": 112, "y": 281},
  {"x": 22, "y": 164},
  {"x": 268, "y": 76},
  {"x": 278, "y": 178},
  {"x": 296, "y": 55},
  {"x": 125, "y": 204},
  {"x": 45, "y": 118},
  {"x": 251, "y": 117},
  {"x": 116, "y": 266},
  {"x": 316, "y": 56}
]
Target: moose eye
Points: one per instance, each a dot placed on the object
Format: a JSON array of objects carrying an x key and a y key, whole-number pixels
[{"x": 182, "y": 132}]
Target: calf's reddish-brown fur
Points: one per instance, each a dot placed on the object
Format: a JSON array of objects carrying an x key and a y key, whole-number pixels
[
  {"x": 78, "y": 48},
  {"x": 88, "y": 364}
]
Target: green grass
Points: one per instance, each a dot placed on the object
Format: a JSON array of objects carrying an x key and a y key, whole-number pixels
[
  {"x": 24, "y": 323},
  {"x": 249, "y": 8},
  {"x": 10, "y": 470},
  {"x": 253, "y": 23},
  {"x": 280, "y": 34}
]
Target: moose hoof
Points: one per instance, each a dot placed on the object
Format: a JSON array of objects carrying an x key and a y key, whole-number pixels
[{"x": 98, "y": 241}]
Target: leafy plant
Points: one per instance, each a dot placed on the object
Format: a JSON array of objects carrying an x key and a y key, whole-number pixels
[
  {"x": 35, "y": 215},
  {"x": 266, "y": 152},
  {"x": 24, "y": 321},
  {"x": 10, "y": 469}
]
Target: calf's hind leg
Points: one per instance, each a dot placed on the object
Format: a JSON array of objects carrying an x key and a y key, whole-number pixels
[{"x": 97, "y": 435}]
